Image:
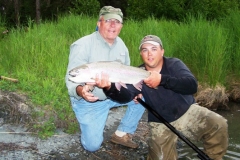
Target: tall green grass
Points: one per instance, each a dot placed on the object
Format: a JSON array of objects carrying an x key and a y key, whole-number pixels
[
  {"x": 38, "y": 56},
  {"x": 232, "y": 29},
  {"x": 202, "y": 46},
  {"x": 133, "y": 32}
]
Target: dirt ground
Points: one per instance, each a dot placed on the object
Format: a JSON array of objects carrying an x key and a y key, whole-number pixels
[{"x": 17, "y": 143}]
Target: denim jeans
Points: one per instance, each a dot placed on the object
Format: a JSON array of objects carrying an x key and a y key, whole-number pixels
[{"x": 92, "y": 118}]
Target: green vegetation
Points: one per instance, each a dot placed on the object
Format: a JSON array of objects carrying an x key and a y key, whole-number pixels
[
  {"x": 179, "y": 9},
  {"x": 17, "y": 14},
  {"x": 38, "y": 55}
]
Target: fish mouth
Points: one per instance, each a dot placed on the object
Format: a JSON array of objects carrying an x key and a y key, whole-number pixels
[{"x": 72, "y": 74}]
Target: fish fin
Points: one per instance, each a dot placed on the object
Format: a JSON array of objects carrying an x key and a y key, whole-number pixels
[
  {"x": 138, "y": 86},
  {"x": 119, "y": 61},
  {"x": 118, "y": 85},
  {"x": 91, "y": 88},
  {"x": 123, "y": 84}
]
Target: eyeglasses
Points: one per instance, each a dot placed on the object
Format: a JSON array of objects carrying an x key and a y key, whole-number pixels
[{"x": 115, "y": 21}]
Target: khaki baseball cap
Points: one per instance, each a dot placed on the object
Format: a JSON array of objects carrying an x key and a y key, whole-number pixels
[
  {"x": 109, "y": 12},
  {"x": 152, "y": 39}
]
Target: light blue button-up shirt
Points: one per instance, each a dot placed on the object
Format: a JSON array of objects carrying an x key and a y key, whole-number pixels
[{"x": 93, "y": 48}]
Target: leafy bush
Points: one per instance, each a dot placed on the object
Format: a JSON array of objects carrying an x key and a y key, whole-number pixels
[
  {"x": 211, "y": 9},
  {"x": 90, "y": 7},
  {"x": 179, "y": 9}
]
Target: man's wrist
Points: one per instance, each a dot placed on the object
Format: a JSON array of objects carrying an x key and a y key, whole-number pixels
[{"x": 108, "y": 87}]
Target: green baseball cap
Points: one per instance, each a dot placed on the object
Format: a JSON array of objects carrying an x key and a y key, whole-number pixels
[
  {"x": 152, "y": 39},
  {"x": 109, "y": 12}
]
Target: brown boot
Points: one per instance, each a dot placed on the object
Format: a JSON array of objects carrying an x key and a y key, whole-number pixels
[{"x": 125, "y": 140}]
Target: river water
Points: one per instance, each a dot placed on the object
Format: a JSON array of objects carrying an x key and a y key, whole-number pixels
[{"x": 233, "y": 152}]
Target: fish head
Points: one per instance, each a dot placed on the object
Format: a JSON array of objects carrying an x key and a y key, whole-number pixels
[{"x": 78, "y": 71}]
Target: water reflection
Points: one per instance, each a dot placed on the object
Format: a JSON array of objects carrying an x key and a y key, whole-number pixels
[{"x": 233, "y": 152}]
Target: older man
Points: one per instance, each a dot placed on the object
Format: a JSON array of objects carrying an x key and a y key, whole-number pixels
[{"x": 91, "y": 107}]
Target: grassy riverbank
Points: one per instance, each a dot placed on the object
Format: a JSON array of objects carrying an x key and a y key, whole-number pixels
[{"x": 38, "y": 55}]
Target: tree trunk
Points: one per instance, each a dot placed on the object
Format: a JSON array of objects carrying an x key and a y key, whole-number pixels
[
  {"x": 16, "y": 9},
  {"x": 38, "y": 12}
]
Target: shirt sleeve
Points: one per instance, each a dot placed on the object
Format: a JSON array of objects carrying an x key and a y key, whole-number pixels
[
  {"x": 123, "y": 95},
  {"x": 77, "y": 57},
  {"x": 181, "y": 80}
]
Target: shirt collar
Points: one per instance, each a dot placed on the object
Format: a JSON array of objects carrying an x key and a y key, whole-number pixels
[{"x": 99, "y": 36}]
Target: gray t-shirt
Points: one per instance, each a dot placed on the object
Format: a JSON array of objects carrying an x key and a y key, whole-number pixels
[{"x": 93, "y": 48}]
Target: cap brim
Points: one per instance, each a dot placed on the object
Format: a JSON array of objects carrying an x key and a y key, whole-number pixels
[
  {"x": 151, "y": 42},
  {"x": 112, "y": 16}
]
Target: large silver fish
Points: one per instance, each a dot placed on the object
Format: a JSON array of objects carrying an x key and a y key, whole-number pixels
[{"x": 118, "y": 72}]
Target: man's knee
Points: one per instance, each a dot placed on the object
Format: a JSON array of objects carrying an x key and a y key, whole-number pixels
[
  {"x": 91, "y": 142},
  {"x": 91, "y": 146},
  {"x": 220, "y": 123},
  {"x": 216, "y": 139}
]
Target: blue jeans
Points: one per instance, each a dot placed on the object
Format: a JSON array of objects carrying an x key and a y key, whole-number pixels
[{"x": 92, "y": 118}]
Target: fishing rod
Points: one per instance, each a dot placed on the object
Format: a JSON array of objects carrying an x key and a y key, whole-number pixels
[{"x": 200, "y": 155}]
